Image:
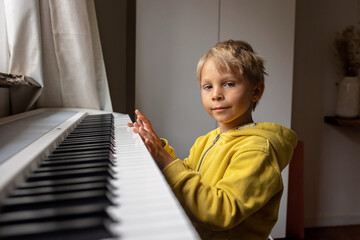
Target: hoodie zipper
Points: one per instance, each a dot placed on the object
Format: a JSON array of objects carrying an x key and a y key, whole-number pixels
[{"x": 215, "y": 140}]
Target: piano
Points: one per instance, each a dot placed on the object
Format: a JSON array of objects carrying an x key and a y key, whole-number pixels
[{"x": 82, "y": 174}]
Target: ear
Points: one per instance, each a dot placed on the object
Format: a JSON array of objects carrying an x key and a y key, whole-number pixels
[{"x": 257, "y": 92}]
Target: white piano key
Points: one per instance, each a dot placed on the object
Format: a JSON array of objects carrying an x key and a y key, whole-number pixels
[{"x": 149, "y": 209}]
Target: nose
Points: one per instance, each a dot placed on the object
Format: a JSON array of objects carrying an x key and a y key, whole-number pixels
[{"x": 217, "y": 94}]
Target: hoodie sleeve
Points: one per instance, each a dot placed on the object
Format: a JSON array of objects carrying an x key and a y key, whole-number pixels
[
  {"x": 168, "y": 148},
  {"x": 249, "y": 182},
  {"x": 171, "y": 151}
]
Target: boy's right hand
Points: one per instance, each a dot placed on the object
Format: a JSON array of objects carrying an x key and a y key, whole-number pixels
[{"x": 144, "y": 122}]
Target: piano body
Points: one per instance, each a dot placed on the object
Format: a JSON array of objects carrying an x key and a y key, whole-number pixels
[{"x": 82, "y": 174}]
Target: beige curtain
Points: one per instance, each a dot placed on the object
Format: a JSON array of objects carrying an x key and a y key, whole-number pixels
[{"x": 57, "y": 44}]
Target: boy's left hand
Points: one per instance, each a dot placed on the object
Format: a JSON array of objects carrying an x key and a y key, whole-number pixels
[
  {"x": 143, "y": 121},
  {"x": 143, "y": 127},
  {"x": 160, "y": 155}
]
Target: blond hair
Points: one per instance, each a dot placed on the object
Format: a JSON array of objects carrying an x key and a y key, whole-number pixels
[{"x": 237, "y": 57}]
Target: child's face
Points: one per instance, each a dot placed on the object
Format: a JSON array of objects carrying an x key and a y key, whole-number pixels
[{"x": 226, "y": 97}]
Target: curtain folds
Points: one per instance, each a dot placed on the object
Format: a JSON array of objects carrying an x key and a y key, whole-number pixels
[{"x": 56, "y": 43}]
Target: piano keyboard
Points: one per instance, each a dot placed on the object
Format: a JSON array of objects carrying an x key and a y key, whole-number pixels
[{"x": 98, "y": 182}]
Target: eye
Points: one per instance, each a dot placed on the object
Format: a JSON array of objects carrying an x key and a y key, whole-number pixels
[
  {"x": 229, "y": 84},
  {"x": 207, "y": 87}
]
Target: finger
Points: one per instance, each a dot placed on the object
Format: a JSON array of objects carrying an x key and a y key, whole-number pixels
[
  {"x": 138, "y": 112},
  {"x": 139, "y": 122},
  {"x": 140, "y": 118},
  {"x": 145, "y": 121},
  {"x": 152, "y": 146},
  {"x": 129, "y": 124},
  {"x": 136, "y": 128},
  {"x": 142, "y": 135},
  {"x": 145, "y": 134}
]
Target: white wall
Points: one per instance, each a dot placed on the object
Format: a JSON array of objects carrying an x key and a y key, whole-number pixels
[
  {"x": 173, "y": 35},
  {"x": 332, "y": 154},
  {"x": 269, "y": 26}
]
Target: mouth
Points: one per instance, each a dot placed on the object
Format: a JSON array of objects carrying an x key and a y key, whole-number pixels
[{"x": 219, "y": 109}]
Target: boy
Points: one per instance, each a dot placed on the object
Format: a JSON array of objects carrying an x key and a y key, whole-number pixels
[{"x": 230, "y": 185}]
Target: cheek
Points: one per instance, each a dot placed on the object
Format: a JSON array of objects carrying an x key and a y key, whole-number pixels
[
  {"x": 204, "y": 99},
  {"x": 206, "y": 103},
  {"x": 243, "y": 100}
]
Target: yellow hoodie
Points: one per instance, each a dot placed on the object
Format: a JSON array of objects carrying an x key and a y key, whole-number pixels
[{"x": 231, "y": 185}]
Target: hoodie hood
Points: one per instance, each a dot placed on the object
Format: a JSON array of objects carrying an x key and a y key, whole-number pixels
[{"x": 282, "y": 139}]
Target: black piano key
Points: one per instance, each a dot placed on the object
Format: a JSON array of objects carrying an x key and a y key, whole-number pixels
[
  {"x": 91, "y": 124},
  {"x": 61, "y": 189},
  {"x": 85, "y": 144},
  {"x": 88, "y": 133},
  {"x": 100, "y": 171},
  {"x": 63, "y": 182},
  {"x": 87, "y": 228},
  {"x": 83, "y": 135},
  {"x": 93, "y": 121},
  {"x": 51, "y": 214},
  {"x": 76, "y": 161},
  {"x": 71, "y": 167},
  {"x": 98, "y": 118},
  {"x": 75, "y": 136},
  {"x": 77, "y": 155},
  {"x": 81, "y": 143},
  {"x": 58, "y": 200},
  {"x": 75, "y": 141},
  {"x": 99, "y": 128},
  {"x": 94, "y": 147},
  {"x": 93, "y": 127}
]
